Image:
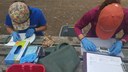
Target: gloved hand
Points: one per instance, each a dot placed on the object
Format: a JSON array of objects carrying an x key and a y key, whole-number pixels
[
  {"x": 30, "y": 32},
  {"x": 88, "y": 45},
  {"x": 28, "y": 58},
  {"x": 16, "y": 36},
  {"x": 116, "y": 48}
]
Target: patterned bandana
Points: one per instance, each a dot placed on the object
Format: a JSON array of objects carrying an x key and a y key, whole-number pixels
[{"x": 19, "y": 14}]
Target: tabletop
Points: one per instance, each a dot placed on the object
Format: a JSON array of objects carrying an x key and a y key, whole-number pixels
[{"x": 74, "y": 41}]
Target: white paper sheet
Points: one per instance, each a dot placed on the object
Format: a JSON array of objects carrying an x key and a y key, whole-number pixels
[
  {"x": 103, "y": 63},
  {"x": 23, "y": 37}
]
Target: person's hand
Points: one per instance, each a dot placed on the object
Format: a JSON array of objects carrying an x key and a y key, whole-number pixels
[
  {"x": 116, "y": 48},
  {"x": 16, "y": 36},
  {"x": 88, "y": 45},
  {"x": 30, "y": 32}
]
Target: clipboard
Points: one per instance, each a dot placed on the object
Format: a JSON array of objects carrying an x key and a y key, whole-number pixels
[{"x": 101, "y": 63}]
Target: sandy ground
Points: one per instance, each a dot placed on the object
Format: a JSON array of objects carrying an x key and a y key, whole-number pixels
[{"x": 57, "y": 12}]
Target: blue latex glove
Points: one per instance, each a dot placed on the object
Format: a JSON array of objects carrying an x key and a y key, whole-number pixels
[
  {"x": 28, "y": 58},
  {"x": 30, "y": 32},
  {"x": 116, "y": 48},
  {"x": 88, "y": 45},
  {"x": 16, "y": 36}
]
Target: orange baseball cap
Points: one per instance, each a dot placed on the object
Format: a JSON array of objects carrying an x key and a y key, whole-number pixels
[{"x": 109, "y": 20}]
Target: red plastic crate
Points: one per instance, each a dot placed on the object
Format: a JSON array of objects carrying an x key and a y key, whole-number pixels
[{"x": 26, "y": 67}]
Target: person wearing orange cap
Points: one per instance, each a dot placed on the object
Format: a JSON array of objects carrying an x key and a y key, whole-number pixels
[
  {"x": 22, "y": 18},
  {"x": 106, "y": 21}
]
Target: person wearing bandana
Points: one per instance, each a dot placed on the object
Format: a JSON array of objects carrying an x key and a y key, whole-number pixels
[{"x": 22, "y": 18}]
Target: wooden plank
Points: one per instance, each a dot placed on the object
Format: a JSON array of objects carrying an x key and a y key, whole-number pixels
[
  {"x": 3, "y": 68},
  {"x": 39, "y": 39},
  {"x": 79, "y": 68},
  {"x": 125, "y": 53},
  {"x": 2, "y": 60},
  {"x": 70, "y": 40},
  {"x": 4, "y": 50},
  {"x": 4, "y": 39}
]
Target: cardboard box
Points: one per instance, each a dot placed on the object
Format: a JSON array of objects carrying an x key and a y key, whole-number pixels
[{"x": 16, "y": 52}]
